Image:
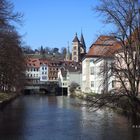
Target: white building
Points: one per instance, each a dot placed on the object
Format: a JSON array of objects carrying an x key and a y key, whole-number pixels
[
  {"x": 32, "y": 71},
  {"x": 43, "y": 73},
  {"x": 63, "y": 77},
  {"x": 70, "y": 73},
  {"x": 96, "y": 66},
  {"x": 36, "y": 71}
]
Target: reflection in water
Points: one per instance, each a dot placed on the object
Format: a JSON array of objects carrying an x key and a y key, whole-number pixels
[{"x": 59, "y": 118}]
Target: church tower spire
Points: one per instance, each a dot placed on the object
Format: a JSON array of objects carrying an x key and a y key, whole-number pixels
[
  {"x": 75, "y": 38},
  {"x": 68, "y": 53},
  {"x": 82, "y": 41}
]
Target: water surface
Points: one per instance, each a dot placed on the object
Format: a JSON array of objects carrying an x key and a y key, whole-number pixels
[{"x": 60, "y": 118}]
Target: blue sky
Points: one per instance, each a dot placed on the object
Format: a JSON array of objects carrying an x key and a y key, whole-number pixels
[{"x": 53, "y": 23}]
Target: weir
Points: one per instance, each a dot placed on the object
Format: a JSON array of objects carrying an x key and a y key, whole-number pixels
[{"x": 48, "y": 88}]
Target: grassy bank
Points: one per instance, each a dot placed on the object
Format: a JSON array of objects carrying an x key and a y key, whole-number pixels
[{"x": 6, "y": 98}]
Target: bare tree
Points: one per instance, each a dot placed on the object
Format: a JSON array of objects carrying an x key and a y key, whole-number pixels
[
  {"x": 11, "y": 62},
  {"x": 7, "y": 14},
  {"x": 125, "y": 16},
  {"x": 11, "y": 58}
]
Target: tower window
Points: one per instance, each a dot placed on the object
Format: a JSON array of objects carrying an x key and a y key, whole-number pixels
[
  {"x": 74, "y": 53},
  {"x": 74, "y": 48}
]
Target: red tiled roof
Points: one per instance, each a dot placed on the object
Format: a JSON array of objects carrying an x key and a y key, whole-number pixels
[
  {"x": 104, "y": 46},
  {"x": 43, "y": 61},
  {"x": 33, "y": 62}
]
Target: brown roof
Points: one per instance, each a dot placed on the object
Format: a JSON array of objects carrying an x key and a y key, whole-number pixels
[
  {"x": 104, "y": 46},
  {"x": 68, "y": 65},
  {"x": 43, "y": 61},
  {"x": 33, "y": 62},
  {"x": 72, "y": 66}
]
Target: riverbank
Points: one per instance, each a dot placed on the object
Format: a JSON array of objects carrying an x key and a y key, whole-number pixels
[
  {"x": 5, "y": 98},
  {"x": 119, "y": 105}
]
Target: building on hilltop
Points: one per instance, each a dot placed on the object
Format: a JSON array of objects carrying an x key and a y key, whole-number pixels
[{"x": 78, "y": 48}]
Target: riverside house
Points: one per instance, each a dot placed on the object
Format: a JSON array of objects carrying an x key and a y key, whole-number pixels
[{"x": 96, "y": 66}]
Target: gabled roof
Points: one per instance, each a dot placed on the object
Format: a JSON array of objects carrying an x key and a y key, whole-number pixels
[{"x": 104, "y": 46}]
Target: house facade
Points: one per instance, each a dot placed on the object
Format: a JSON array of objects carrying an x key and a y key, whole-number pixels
[
  {"x": 43, "y": 73},
  {"x": 39, "y": 71},
  {"x": 126, "y": 72},
  {"x": 69, "y": 72},
  {"x": 96, "y": 66},
  {"x": 32, "y": 71}
]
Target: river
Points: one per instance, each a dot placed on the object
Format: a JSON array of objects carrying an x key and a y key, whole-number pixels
[{"x": 35, "y": 117}]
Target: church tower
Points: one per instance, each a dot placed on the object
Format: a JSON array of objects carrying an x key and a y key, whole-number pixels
[{"x": 76, "y": 49}]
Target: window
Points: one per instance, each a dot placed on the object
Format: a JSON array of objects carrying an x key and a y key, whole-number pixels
[
  {"x": 74, "y": 53},
  {"x": 74, "y": 48},
  {"x": 92, "y": 70},
  {"x": 92, "y": 83},
  {"x": 113, "y": 84}
]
